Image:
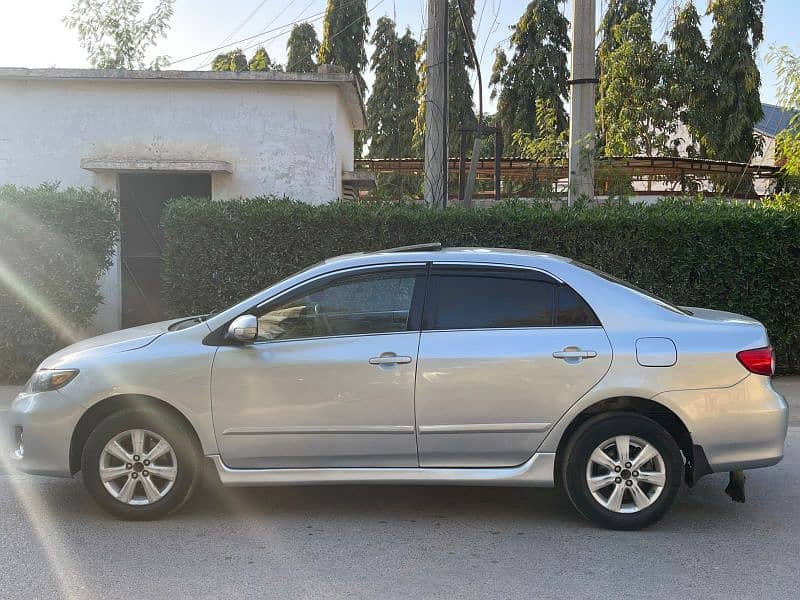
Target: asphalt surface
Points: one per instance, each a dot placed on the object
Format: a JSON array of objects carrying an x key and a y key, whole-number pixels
[{"x": 400, "y": 542}]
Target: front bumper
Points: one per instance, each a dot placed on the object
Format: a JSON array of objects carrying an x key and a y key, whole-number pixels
[
  {"x": 46, "y": 421},
  {"x": 740, "y": 427}
]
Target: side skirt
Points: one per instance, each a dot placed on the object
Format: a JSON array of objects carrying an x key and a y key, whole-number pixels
[{"x": 535, "y": 472}]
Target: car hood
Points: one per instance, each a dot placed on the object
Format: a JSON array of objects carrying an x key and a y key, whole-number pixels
[{"x": 108, "y": 343}]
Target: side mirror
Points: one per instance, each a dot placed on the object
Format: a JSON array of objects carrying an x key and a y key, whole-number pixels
[{"x": 243, "y": 329}]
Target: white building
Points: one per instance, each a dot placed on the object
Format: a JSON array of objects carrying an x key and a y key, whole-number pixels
[{"x": 153, "y": 135}]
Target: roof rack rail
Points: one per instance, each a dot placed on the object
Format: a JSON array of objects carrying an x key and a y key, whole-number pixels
[{"x": 416, "y": 247}]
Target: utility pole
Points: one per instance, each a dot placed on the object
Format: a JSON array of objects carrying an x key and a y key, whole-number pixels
[
  {"x": 581, "y": 100},
  {"x": 436, "y": 100}
]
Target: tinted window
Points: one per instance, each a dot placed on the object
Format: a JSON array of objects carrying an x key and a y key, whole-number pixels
[
  {"x": 572, "y": 310},
  {"x": 378, "y": 303},
  {"x": 481, "y": 302}
]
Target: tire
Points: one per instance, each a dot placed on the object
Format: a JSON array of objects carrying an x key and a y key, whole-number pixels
[
  {"x": 619, "y": 504},
  {"x": 175, "y": 474}
]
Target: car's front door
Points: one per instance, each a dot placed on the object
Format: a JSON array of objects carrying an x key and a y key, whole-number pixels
[
  {"x": 330, "y": 381},
  {"x": 503, "y": 353}
]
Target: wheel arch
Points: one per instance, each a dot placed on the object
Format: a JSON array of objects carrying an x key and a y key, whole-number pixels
[
  {"x": 108, "y": 406},
  {"x": 696, "y": 464}
]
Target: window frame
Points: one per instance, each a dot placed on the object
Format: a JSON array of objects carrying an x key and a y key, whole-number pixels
[
  {"x": 500, "y": 271},
  {"x": 417, "y": 269}
]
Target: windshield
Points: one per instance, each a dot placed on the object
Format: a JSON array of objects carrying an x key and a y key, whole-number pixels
[{"x": 638, "y": 290}]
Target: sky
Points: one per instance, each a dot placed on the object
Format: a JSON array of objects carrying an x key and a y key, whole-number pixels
[{"x": 32, "y": 33}]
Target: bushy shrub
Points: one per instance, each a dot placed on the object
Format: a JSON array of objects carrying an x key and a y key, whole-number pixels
[
  {"x": 739, "y": 258},
  {"x": 54, "y": 246}
]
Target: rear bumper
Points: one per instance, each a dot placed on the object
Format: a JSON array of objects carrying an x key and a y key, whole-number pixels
[
  {"x": 46, "y": 421},
  {"x": 740, "y": 427}
]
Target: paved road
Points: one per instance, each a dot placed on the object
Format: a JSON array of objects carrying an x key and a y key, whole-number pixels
[{"x": 398, "y": 542}]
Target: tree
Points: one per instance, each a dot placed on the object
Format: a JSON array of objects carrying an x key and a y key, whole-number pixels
[
  {"x": 634, "y": 111},
  {"x": 690, "y": 86},
  {"x": 461, "y": 111},
  {"x": 787, "y": 67},
  {"x": 536, "y": 73},
  {"x": 235, "y": 60},
  {"x": 392, "y": 106},
  {"x": 734, "y": 105},
  {"x": 302, "y": 48},
  {"x": 618, "y": 12},
  {"x": 344, "y": 33},
  {"x": 262, "y": 62},
  {"x": 113, "y": 34}
]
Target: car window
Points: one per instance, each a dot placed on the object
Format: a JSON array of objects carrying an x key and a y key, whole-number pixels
[
  {"x": 376, "y": 303},
  {"x": 572, "y": 310},
  {"x": 487, "y": 301}
]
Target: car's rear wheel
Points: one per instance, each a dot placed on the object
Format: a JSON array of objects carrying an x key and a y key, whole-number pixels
[
  {"x": 622, "y": 470},
  {"x": 140, "y": 465}
]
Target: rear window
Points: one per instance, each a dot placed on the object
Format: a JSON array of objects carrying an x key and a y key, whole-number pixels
[{"x": 660, "y": 301}]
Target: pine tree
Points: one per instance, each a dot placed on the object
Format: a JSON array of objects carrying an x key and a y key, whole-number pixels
[
  {"x": 344, "y": 33},
  {"x": 461, "y": 107},
  {"x": 537, "y": 71},
  {"x": 302, "y": 47},
  {"x": 635, "y": 113},
  {"x": 235, "y": 60},
  {"x": 392, "y": 105},
  {"x": 690, "y": 87},
  {"x": 734, "y": 106}
]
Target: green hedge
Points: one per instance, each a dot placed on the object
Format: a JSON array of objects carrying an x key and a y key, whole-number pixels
[
  {"x": 730, "y": 257},
  {"x": 54, "y": 246}
]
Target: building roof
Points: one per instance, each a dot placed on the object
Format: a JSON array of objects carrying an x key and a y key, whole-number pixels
[
  {"x": 776, "y": 119},
  {"x": 347, "y": 83}
]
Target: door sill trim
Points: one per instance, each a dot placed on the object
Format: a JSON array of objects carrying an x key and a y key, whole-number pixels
[{"x": 537, "y": 471}]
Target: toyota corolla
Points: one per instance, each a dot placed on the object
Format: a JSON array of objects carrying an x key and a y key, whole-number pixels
[{"x": 417, "y": 365}]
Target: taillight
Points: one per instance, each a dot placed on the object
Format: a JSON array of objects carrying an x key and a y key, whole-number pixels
[{"x": 760, "y": 361}]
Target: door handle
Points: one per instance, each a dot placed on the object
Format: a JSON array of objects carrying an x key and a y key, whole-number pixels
[
  {"x": 391, "y": 359},
  {"x": 567, "y": 354}
]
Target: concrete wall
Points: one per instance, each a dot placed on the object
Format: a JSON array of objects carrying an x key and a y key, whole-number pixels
[{"x": 282, "y": 139}]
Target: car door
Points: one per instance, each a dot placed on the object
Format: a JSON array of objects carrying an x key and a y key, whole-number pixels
[
  {"x": 330, "y": 380},
  {"x": 503, "y": 353}
]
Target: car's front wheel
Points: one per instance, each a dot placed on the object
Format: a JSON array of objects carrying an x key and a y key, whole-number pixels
[
  {"x": 140, "y": 465},
  {"x": 622, "y": 470}
]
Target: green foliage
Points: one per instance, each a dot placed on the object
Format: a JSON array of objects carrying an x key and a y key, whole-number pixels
[
  {"x": 690, "y": 85},
  {"x": 54, "y": 246},
  {"x": 344, "y": 33},
  {"x": 461, "y": 110},
  {"x": 236, "y": 60},
  {"x": 392, "y": 105},
  {"x": 634, "y": 110},
  {"x": 537, "y": 71},
  {"x": 730, "y": 257},
  {"x": 550, "y": 144},
  {"x": 302, "y": 48},
  {"x": 734, "y": 104},
  {"x": 115, "y": 36},
  {"x": 783, "y": 201},
  {"x": 787, "y": 67},
  {"x": 618, "y": 12}
]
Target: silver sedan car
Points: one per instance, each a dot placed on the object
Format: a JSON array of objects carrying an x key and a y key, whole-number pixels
[{"x": 417, "y": 365}]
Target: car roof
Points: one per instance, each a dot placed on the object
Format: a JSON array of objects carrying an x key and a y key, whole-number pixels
[{"x": 435, "y": 253}]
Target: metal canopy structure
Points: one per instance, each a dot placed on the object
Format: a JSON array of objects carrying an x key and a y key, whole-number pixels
[{"x": 675, "y": 172}]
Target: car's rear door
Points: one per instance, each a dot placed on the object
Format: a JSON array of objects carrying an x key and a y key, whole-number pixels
[
  {"x": 330, "y": 381},
  {"x": 503, "y": 353}
]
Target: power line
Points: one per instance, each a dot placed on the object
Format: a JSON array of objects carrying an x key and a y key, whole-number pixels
[
  {"x": 238, "y": 28},
  {"x": 311, "y": 18}
]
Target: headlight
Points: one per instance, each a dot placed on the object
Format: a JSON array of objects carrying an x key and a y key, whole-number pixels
[{"x": 48, "y": 380}]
